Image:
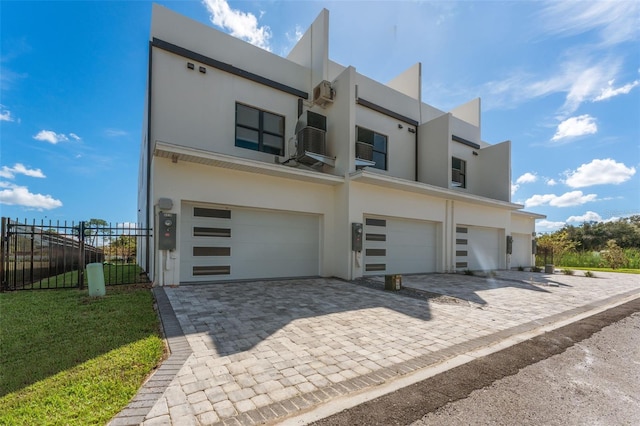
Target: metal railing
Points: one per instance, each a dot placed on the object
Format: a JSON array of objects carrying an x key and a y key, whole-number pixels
[{"x": 54, "y": 255}]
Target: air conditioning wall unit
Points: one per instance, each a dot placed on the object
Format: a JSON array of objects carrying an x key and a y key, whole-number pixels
[
  {"x": 312, "y": 140},
  {"x": 323, "y": 93},
  {"x": 364, "y": 151}
]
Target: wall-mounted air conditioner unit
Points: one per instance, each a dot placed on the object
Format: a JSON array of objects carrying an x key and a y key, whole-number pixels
[
  {"x": 323, "y": 93},
  {"x": 311, "y": 139},
  {"x": 364, "y": 151}
]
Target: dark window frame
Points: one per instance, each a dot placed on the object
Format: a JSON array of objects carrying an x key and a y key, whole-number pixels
[
  {"x": 375, "y": 150},
  {"x": 261, "y": 130},
  {"x": 462, "y": 172}
]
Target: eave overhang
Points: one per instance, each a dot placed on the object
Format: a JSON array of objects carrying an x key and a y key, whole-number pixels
[
  {"x": 198, "y": 156},
  {"x": 377, "y": 179},
  {"x": 530, "y": 215}
]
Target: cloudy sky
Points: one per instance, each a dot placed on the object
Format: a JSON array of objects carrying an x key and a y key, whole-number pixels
[{"x": 561, "y": 80}]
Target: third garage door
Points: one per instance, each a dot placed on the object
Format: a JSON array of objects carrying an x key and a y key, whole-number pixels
[{"x": 398, "y": 246}]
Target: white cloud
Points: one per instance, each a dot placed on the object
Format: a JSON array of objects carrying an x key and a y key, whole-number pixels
[
  {"x": 576, "y": 126},
  {"x": 599, "y": 172},
  {"x": 74, "y": 136},
  {"x": 5, "y": 114},
  {"x": 115, "y": 133},
  {"x": 614, "y": 21},
  {"x": 243, "y": 25},
  {"x": 548, "y": 225},
  {"x": 610, "y": 91},
  {"x": 568, "y": 199},
  {"x": 527, "y": 178},
  {"x": 551, "y": 182},
  {"x": 514, "y": 188},
  {"x": 50, "y": 136},
  {"x": 587, "y": 217},
  {"x": 15, "y": 195},
  {"x": 18, "y": 168},
  {"x": 581, "y": 78}
]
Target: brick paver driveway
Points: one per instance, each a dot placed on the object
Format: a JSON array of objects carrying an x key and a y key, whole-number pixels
[{"x": 262, "y": 351}]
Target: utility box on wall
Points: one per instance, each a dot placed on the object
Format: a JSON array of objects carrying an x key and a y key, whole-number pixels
[{"x": 166, "y": 231}]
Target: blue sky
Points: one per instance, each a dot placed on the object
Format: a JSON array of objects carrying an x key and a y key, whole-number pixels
[{"x": 561, "y": 80}]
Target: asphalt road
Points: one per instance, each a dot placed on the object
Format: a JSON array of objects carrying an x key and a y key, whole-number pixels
[{"x": 585, "y": 373}]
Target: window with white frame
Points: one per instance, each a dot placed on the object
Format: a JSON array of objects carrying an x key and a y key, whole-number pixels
[
  {"x": 372, "y": 146},
  {"x": 458, "y": 173},
  {"x": 259, "y": 130}
]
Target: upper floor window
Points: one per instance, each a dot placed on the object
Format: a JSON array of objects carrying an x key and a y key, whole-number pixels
[
  {"x": 458, "y": 173},
  {"x": 372, "y": 146},
  {"x": 259, "y": 130}
]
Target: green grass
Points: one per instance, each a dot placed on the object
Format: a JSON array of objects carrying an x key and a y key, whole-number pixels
[
  {"x": 591, "y": 259},
  {"x": 113, "y": 274},
  {"x": 620, "y": 270},
  {"x": 66, "y": 358}
]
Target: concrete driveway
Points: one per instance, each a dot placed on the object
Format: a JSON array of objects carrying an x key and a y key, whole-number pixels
[{"x": 297, "y": 350}]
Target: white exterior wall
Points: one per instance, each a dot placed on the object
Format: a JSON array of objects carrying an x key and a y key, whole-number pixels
[
  {"x": 434, "y": 162},
  {"x": 467, "y": 214},
  {"x": 401, "y": 144},
  {"x": 185, "y": 181},
  {"x": 372, "y": 200},
  {"x": 198, "y": 110},
  {"x": 186, "y": 33}
]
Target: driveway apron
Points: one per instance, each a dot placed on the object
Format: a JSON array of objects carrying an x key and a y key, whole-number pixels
[{"x": 266, "y": 351}]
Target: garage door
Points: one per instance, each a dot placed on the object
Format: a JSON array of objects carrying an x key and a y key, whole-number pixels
[
  {"x": 227, "y": 243},
  {"x": 478, "y": 249},
  {"x": 484, "y": 249},
  {"x": 396, "y": 246},
  {"x": 521, "y": 253}
]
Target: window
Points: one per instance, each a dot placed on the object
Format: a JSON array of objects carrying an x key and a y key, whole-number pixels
[
  {"x": 259, "y": 130},
  {"x": 372, "y": 146},
  {"x": 458, "y": 173}
]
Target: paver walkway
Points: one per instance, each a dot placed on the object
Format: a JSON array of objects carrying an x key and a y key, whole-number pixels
[{"x": 260, "y": 352}]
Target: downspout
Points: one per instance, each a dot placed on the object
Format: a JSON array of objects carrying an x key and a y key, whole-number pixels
[{"x": 149, "y": 152}]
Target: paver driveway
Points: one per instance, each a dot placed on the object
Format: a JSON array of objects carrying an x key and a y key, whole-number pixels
[{"x": 261, "y": 351}]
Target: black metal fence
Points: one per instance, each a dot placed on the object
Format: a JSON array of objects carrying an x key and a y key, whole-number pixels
[{"x": 54, "y": 255}]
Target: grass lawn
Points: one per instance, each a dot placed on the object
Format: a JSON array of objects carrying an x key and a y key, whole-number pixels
[
  {"x": 588, "y": 268},
  {"x": 66, "y": 358},
  {"x": 113, "y": 274}
]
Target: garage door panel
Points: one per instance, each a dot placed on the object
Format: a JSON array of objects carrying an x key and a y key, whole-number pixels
[
  {"x": 259, "y": 244},
  {"x": 521, "y": 253},
  {"x": 483, "y": 248},
  {"x": 399, "y": 246}
]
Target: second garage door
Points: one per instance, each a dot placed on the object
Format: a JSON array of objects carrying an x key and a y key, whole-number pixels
[
  {"x": 484, "y": 248},
  {"x": 229, "y": 243},
  {"x": 397, "y": 246},
  {"x": 521, "y": 254}
]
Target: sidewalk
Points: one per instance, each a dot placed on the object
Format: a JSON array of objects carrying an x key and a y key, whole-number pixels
[{"x": 298, "y": 350}]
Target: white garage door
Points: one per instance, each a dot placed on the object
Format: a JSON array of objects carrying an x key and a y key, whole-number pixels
[
  {"x": 483, "y": 249},
  {"x": 521, "y": 253},
  {"x": 227, "y": 243},
  {"x": 397, "y": 246}
]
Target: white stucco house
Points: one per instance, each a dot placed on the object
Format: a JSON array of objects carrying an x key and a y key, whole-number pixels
[{"x": 258, "y": 166}]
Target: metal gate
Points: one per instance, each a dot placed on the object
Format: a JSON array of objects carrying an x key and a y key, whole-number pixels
[{"x": 54, "y": 255}]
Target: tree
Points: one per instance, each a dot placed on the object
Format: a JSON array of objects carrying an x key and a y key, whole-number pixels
[
  {"x": 124, "y": 247},
  {"x": 614, "y": 256},
  {"x": 555, "y": 244}
]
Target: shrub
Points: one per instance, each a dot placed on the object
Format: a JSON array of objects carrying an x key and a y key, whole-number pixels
[
  {"x": 468, "y": 272},
  {"x": 520, "y": 268},
  {"x": 536, "y": 269},
  {"x": 568, "y": 271},
  {"x": 589, "y": 274},
  {"x": 614, "y": 255}
]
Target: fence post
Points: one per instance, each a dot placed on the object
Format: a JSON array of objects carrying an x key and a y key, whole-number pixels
[
  {"x": 3, "y": 244},
  {"x": 81, "y": 258}
]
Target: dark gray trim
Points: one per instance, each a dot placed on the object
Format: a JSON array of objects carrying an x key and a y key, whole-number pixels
[
  {"x": 465, "y": 142},
  {"x": 189, "y": 54},
  {"x": 149, "y": 153},
  {"x": 382, "y": 110}
]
